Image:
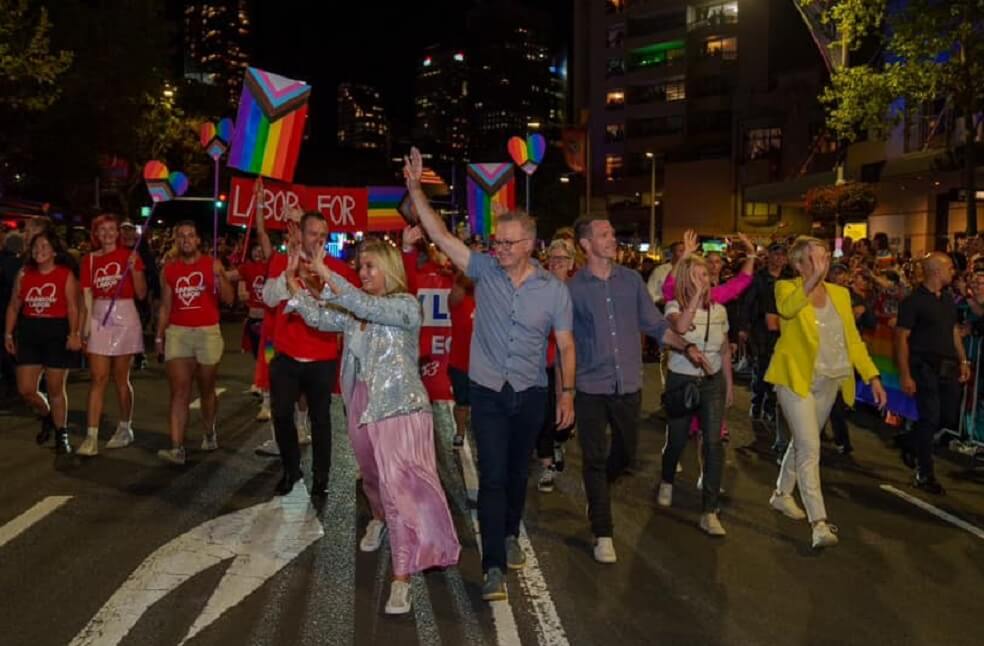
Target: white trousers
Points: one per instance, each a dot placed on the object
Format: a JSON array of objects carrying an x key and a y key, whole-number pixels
[{"x": 806, "y": 417}]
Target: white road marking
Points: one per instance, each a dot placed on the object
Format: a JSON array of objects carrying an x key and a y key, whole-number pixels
[
  {"x": 936, "y": 511},
  {"x": 260, "y": 540},
  {"x": 18, "y": 525},
  {"x": 197, "y": 402},
  {"x": 549, "y": 629}
]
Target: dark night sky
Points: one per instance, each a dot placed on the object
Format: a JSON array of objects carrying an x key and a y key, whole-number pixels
[{"x": 325, "y": 42}]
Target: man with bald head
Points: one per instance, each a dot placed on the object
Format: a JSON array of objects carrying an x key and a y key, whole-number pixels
[{"x": 932, "y": 364}]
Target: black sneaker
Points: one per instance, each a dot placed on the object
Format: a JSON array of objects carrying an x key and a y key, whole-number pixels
[
  {"x": 844, "y": 449},
  {"x": 755, "y": 412},
  {"x": 929, "y": 485}
]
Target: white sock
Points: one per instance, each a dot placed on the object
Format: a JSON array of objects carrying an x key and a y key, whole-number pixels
[
  {"x": 127, "y": 425},
  {"x": 93, "y": 431},
  {"x": 266, "y": 399}
]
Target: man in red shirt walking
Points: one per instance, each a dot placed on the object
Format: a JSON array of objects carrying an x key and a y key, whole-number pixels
[
  {"x": 188, "y": 334},
  {"x": 306, "y": 361}
]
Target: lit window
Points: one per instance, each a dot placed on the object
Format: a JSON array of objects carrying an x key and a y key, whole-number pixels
[
  {"x": 724, "y": 48},
  {"x": 615, "y": 98},
  {"x": 614, "y": 133},
  {"x": 721, "y": 13},
  {"x": 762, "y": 142},
  {"x": 613, "y": 167}
]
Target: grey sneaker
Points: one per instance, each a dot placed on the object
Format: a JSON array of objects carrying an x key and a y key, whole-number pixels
[
  {"x": 268, "y": 449},
  {"x": 546, "y": 481},
  {"x": 210, "y": 442},
  {"x": 123, "y": 437},
  {"x": 174, "y": 456},
  {"x": 494, "y": 587},
  {"x": 515, "y": 558}
]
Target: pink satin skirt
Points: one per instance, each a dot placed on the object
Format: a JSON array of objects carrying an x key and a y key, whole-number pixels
[
  {"x": 122, "y": 334},
  {"x": 399, "y": 477}
]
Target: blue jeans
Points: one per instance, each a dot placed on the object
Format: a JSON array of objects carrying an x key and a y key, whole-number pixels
[{"x": 505, "y": 425}]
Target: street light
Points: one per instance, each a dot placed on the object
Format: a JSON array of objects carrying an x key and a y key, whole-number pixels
[
  {"x": 564, "y": 179},
  {"x": 533, "y": 125},
  {"x": 652, "y": 199}
]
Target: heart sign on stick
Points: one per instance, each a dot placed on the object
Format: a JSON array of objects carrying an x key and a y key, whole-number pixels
[
  {"x": 162, "y": 185},
  {"x": 215, "y": 139},
  {"x": 527, "y": 153}
]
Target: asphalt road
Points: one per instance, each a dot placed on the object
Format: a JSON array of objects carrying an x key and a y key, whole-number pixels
[{"x": 121, "y": 549}]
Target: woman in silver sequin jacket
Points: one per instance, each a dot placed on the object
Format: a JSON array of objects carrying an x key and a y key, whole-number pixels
[{"x": 389, "y": 415}]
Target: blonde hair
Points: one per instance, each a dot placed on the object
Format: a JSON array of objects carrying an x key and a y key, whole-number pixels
[
  {"x": 801, "y": 246},
  {"x": 682, "y": 274},
  {"x": 390, "y": 263},
  {"x": 566, "y": 243}
]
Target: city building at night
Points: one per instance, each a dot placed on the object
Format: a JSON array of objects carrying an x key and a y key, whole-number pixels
[
  {"x": 441, "y": 108},
  {"x": 696, "y": 100},
  {"x": 216, "y": 34},
  {"x": 362, "y": 123}
]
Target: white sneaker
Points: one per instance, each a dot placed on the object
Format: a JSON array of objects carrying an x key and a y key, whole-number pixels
[
  {"x": 90, "y": 446},
  {"x": 786, "y": 505},
  {"x": 210, "y": 442},
  {"x": 373, "y": 537},
  {"x": 604, "y": 550},
  {"x": 174, "y": 456},
  {"x": 264, "y": 414},
  {"x": 664, "y": 497},
  {"x": 679, "y": 468},
  {"x": 399, "y": 599},
  {"x": 123, "y": 437},
  {"x": 269, "y": 449},
  {"x": 824, "y": 535},
  {"x": 711, "y": 524}
]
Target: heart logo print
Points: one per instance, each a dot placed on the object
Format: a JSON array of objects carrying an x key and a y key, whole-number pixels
[
  {"x": 41, "y": 298},
  {"x": 215, "y": 139},
  {"x": 258, "y": 283},
  {"x": 107, "y": 276},
  {"x": 189, "y": 288},
  {"x": 163, "y": 185},
  {"x": 527, "y": 153}
]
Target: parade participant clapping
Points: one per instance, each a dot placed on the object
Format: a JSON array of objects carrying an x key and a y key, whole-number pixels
[
  {"x": 112, "y": 276},
  {"x": 389, "y": 415},
  {"x": 43, "y": 322}
]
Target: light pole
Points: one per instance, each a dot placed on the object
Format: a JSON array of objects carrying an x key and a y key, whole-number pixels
[
  {"x": 530, "y": 125},
  {"x": 652, "y": 201}
]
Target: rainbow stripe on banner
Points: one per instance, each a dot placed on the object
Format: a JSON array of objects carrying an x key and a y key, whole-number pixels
[
  {"x": 269, "y": 125},
  {"x": 881, "y": 347},
  {"x": 481, "y": 215},
  {"x": 384, "y": 208}
]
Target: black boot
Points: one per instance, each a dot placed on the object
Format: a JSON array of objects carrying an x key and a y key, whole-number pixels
[
  {"x": 286, "y": 483},
  {"x": 47, "y": 426},
  {"x": 62, "y": 445},
  {"x": 319, "y": 485}
]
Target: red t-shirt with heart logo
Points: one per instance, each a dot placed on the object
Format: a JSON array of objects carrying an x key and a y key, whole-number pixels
[
  {"x": 194, "y": 301},
  {"x": 253, "y": 275},
  {"x": 102, "y": 273},
  {"x": 44, "y": 295}
]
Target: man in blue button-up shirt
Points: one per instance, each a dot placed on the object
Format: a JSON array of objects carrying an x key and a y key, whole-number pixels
[
  {"x": 517, "y": 305},
  {"x": 612, "y": 309}
]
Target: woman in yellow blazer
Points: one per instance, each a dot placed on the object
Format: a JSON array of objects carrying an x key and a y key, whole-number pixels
[{"x": 819, "y": 349}]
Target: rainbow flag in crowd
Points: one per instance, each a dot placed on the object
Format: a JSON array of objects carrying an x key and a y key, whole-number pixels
[
  {"x": 269, "y": 125},
  {"x": 384, "y": 208},
  {"x": 488, "y": 185},
  {"x": 881, "y": 347}
]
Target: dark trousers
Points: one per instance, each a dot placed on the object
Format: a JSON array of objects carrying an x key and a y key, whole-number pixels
[
  {"x": 938, "y": 403},
  {"x": 505, "y": 425},
  {"x": 316, "y": 379},
  {"x": 838, "y": 422},
  {"x": 550, "y": 434},
  {"x": 763, "y": 393},
  {"x": 710, "y": 412},
  {"x": 604, "y": 461}
]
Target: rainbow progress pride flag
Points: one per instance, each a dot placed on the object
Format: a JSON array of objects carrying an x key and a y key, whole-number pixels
[
  {"x": 488, "y": 185},
  {"x": 881, "y": 347},
  {"x": 269, "y": 125}
]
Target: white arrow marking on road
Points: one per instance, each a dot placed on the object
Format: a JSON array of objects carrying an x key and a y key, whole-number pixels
[
  {"x": 261, "y": 540},
  {"x": 197, "y": 402},
  {"x": 936, "y": 511},
  {"x": 17, "y": 526}
]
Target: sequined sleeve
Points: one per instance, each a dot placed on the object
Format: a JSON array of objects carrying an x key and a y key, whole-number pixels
[
  {"x": 321, "y": 317},
  {"x": 400, "y": 310}
]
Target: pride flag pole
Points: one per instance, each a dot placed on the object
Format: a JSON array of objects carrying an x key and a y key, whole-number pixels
[{"x": 129, "y": 265}]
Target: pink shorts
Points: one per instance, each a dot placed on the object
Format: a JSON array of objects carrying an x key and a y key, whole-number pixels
[{"x": 122, "y": 334}]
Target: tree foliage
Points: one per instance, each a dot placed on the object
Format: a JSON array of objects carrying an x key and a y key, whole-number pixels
[
  {"x": 931, "y": 49},
  {"x": 29, "y": 70}
]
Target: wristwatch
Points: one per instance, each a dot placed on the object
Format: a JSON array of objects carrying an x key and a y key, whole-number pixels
[{"x": 568, "y": 389}]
